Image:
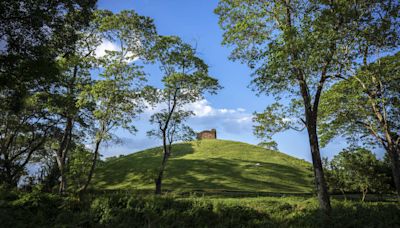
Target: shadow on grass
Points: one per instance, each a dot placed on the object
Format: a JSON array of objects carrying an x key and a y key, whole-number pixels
[
  {"x": 228, "y": 174},
  {"x": 135, "y": 168},
  {"x": 140, "y": 170}
]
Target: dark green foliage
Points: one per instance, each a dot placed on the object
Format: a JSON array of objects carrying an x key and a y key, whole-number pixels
[
  {"x": 124, "y": 209},
  {"x": 357, "y": 170},
  {"x": 32, "y": 35},
  {"x": 79, "y": 166},
  {"x": 297, "y": 49},
  {"x": 366, "y": 109}
]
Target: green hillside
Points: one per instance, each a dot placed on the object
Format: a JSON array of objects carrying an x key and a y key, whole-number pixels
[{"x": 209, "y": 165}]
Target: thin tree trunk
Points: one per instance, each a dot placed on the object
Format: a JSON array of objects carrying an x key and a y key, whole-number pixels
[
  {"x": 320, "y": 183},
  {"x": 64, "y": 144},
  {"x": 94, "y": 162},
  {"x": 158, "y": 182},
  {"x": 159, "y": 178},
  {"x": 62, "y": 155},
  {"x": 364, "y": 194},
  {"x": 166, "y": 150}
]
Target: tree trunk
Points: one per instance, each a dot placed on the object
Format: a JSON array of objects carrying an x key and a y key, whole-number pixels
[
  {"x": 94, "y": 162},
  {"x": 62, "y": 155},
  {"x": 10, "y": 179},
  {"x": 364, "y": 193},
  {"x": 158, "y": 180},
  {"x": 320, "y": 183},
  {"x": 395, "y": 160},
  {"x": 63, "y": 182},
  {"x": 311, "y": 116},
  {"x": 7, "y": 172}
]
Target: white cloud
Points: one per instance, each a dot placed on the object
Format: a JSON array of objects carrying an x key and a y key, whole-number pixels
[
  {"x": 203, "y": 108},
  {"x": 232, "y": 121},
  {"x": 107, "y": 45},
  {"x": 231, "y": 124}
]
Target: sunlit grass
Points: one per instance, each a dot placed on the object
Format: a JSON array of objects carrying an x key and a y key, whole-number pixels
[{"x": 209, "y": 165}]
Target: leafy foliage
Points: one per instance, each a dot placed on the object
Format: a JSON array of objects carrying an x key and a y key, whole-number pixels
[
  {"x": 29, "y": 71},
  {"x": 357, "y": 171},
  {"x": 297, "y": 48},
  {"x": 346, "y": 108},
  {"x": 365, "y": 108},
  {"x": 186, "y": 79},
  {"x": 125, "y": 209}
]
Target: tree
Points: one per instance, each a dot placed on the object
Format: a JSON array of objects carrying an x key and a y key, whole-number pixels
[
  {"x": 333, "y": 178},
  {"x": 185, "y": 80},
  {"x": 22, "y": 135},
  {"x": 297, "y": 48},
  {"x": 79, "y": 163},
  {"x": 270, "y": 145},
  {"x": 116, "y": 97},
  {"x": 31, "y": 43},
  {"x": 357, "y": 170},
  {"x": 74, "y": 121},
  {"x": 367, "y": 107}
]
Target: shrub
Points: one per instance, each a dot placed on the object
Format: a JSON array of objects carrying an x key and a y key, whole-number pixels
[{"x": 37, "y": 209}]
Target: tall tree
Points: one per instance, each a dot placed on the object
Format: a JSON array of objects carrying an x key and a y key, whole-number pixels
[
  {"x": 296, "y": 47},
  {"x": 186, "y": 79},
  {"x": 31, "y": 42},
  {"x": 116, "y": 96},
  {"x": 74, "y": 77},
  {"x": 367, "y": 107}
]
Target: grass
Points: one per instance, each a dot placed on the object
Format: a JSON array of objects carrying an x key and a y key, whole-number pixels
[
  {"x": 208, "y": 165},
  {"x": 126, "y": 209},
  {"x": 304, "y": 211}
]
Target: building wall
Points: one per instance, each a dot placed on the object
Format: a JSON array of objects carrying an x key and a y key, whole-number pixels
[{"x": 207, "y": 134}]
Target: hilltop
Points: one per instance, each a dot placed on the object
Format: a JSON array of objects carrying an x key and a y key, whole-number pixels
[{"x": 209, "y": 165}]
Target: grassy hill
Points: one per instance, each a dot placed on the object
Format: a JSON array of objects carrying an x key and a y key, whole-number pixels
[{"x": 209, "y": 165}]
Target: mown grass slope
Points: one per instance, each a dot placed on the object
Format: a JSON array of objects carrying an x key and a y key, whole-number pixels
[{"x": 208, "y": 165}]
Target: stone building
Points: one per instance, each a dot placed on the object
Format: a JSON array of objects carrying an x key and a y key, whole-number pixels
[{"x": 212, "y": 134}]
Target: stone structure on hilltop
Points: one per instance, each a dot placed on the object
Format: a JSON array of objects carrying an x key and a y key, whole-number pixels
[{"x": 212, "y": 134}]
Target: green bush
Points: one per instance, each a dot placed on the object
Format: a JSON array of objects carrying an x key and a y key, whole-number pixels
[{"x": 37, "y": 209}]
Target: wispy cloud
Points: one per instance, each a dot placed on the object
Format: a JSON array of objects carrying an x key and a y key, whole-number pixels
[
  {"x": 203, "y": 108},
  {"x": 228, "y": 120},
  {"x": 231, "y": 123}
]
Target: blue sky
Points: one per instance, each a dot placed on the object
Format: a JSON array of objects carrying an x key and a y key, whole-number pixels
[{"x": 230, "y": 111}]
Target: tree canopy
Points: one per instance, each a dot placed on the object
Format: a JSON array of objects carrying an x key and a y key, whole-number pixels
[
  {"x": 365, "y": 108},
  {"x": 186, "y": 80},
  {"x": 297, "y": 48}
]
